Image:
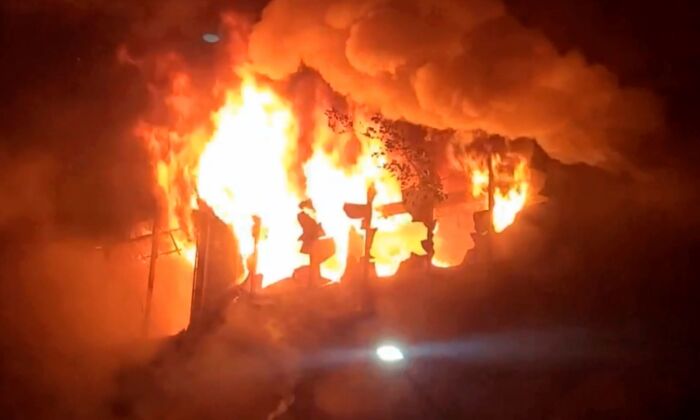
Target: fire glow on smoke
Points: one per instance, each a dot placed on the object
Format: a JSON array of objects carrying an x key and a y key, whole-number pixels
[{"x": 245, "y": 169}]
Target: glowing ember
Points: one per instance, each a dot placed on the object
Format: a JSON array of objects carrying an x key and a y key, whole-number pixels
[{"x": 189, "y": 252}]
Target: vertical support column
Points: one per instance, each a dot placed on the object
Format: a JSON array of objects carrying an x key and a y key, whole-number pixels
[
  {"x": 201, "y": 267},
  {"x": 492, "y": 203},
  {"x": 429, "y": 243},
  {"x": 491, "y": 190},
  {"x": 151, "y": 276},
  {"x": 215, "y": 273}
]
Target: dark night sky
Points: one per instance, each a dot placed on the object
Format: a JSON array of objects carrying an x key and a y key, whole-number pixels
[
  {"x": 646, "y": 44},
  {"x": 63, "y": 97}
]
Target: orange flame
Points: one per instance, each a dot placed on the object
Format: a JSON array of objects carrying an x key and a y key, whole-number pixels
[
  {"x": 244, "y": 171},
  {"x": 512, "y": 186},
  {"x": 247, "y": 168}
]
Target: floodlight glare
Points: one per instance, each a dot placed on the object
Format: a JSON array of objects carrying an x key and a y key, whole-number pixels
[
  {"x": 389, "y": 353},
  {"x": 211, "y": 38}
]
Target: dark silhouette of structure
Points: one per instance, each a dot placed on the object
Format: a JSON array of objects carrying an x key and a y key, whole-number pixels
[{"x": 217, "y": 267}]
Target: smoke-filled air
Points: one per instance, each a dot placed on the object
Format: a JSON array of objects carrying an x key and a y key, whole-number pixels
[
  {"x": 348, "y": 209},
  {"x": 456, "y": 64}
]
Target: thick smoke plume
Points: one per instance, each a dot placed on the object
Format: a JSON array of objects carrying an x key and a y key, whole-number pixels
[{"x": 456, "y": 64}]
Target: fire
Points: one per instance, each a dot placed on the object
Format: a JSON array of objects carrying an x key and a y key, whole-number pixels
[
  {"x": 511, "y": 191},
  {"x": 189, "y": 252},
  {"x": 247, "y": 168},
  {"x": 331, "y": 184},
  {"x": 243, "y": 172}
]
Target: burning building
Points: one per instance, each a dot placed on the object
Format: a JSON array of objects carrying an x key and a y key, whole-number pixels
[
  {"x": 251, "y": 176},
  {"x": 258, "y": 140}
]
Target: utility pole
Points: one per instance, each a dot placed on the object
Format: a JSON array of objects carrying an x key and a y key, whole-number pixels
[
  {"x": 154, "y": 235},
  {"x": 151, "y": 276}
]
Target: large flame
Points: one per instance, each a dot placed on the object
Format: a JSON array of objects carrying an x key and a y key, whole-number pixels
[
  {"x": 247, "y": 169},
  {"x": 244, "y": 172}
]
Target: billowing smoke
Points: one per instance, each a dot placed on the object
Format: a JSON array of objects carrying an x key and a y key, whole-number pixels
[{"x": 456, "y": 64}]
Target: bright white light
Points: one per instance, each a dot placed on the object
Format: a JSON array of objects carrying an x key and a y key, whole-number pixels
[
  {"x": 211, "y": 38},
  {"x": 389, "y": 353}
]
